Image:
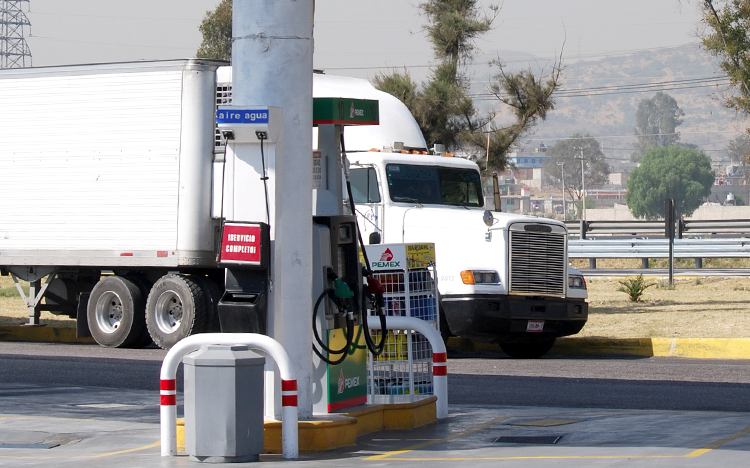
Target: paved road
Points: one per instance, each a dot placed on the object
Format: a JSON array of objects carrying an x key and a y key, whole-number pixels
[
  {"x": 628, "y": 383},
  {"x": 101, "y": 408},
  {"x": 475, "y": 378}
]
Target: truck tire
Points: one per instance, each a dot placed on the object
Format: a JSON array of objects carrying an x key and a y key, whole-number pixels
[
  {"x": 145, "y": 286},
  {"x": 176, "y": 308},
  {"x": 213, "y": 295},
  {"x": 115, "y": 312},
  {"x": 527, "y": 350},
  {"x": 445, "y": 331}
]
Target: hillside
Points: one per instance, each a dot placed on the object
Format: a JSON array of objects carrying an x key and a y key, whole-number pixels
[{"x": 610, "y": 116}]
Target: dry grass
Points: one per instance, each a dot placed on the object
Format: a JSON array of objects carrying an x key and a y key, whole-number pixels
[
  {"x": 696, "y": 308},
  {"x": 14, "y": 312},
  {"x": 705, "y": 308}
]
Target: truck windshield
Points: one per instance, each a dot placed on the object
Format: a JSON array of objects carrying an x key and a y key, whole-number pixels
[{"x": 434, "y": 185}]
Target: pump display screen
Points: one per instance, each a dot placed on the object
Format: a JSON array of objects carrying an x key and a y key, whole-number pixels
[{"x": 434, "y": 185}]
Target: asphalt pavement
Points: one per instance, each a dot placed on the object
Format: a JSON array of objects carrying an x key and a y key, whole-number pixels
[{"x": 83, "y": 406}]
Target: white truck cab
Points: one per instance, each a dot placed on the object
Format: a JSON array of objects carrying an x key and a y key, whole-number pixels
[{"x": 502, "y": 277}]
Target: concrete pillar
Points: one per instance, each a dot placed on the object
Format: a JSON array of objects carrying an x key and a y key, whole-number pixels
[{"x": 272, "y": 65}]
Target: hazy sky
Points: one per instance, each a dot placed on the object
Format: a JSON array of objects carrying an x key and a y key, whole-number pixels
[{"x": 358, "y": 37}]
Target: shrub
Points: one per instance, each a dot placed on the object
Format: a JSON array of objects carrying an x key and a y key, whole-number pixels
[{"x": 634, "y": 287}]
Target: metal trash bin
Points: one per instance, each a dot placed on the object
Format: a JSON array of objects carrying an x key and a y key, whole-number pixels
[{"x": 224, "y": 404}]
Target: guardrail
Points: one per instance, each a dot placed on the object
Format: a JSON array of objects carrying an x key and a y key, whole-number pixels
[
  {"x": 658, "y": 248},
  {"x": 640, "y": 228}
]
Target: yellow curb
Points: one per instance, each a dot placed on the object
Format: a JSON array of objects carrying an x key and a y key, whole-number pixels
[
  {"x": 41, "y": 334},
  {"x": 341, "y": 430},
  {"x": 698, "y": 348}
]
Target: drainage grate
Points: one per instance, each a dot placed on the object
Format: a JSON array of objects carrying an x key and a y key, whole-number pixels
[
  {"x": 106, "y": 405},
  {"x": 28, "y": 446},
  {"x": 538, "y": 440},
  {"x": 546, "y": 422}
]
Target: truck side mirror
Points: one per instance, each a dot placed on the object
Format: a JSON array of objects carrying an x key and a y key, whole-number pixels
[{"x": 375, "y": 238}]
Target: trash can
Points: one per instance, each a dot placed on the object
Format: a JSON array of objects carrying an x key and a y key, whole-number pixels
[{"x": 224, "y": 404}]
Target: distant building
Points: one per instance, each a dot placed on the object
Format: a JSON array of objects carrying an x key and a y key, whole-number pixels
[
  {"x": 528, "y": 163},
  {"x": 525, "y": 158}
]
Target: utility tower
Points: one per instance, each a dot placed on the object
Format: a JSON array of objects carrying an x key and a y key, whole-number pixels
[{"x": 14, "y": 51}]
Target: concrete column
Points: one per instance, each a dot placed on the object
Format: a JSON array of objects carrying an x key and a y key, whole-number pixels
[{"x": 272, "y": 65}]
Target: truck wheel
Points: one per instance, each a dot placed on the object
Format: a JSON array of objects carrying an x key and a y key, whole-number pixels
[
  {"x": 176, "y": 308},
  {"x": 145, "y": 286},
  {"x": 115, "y": 312},
  {"x": 445, "y": 331},
  {"x": 527, "y": 350},
  {"x": 213, "y": 295}
]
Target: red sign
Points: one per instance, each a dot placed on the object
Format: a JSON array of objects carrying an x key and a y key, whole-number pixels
[{"x": 241, "y": 244}]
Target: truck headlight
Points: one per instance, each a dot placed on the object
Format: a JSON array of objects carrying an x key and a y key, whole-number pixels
[
  {"x": 480, "y": 277},
  {"x": 576, "y": 282}
]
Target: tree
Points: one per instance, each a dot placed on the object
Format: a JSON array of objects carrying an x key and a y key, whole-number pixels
[
  {"x": 738, "y": 149},
  {"x": 656, "y": 121},
  {"x": 669, "y": 172},
  {"x": 727, "y": 37},
  {"x": 442, "y": 106},
  {"x": 568, "y": 152},
  {"x": 216, "y": 29}
]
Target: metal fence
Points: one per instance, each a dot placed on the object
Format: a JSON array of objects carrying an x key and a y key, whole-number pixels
[{"x": 684, "y": 228}]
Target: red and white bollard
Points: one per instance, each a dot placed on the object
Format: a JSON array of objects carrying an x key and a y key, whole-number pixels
[
  {"x": 439, "y": 355},
  {"x": 168, "y": 387}
]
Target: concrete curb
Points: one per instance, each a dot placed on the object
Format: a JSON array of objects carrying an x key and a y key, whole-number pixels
[
  {"x": 342, "y": 429},
  {"x": 41, "y": 334},
  {"x": 697, "y": 348}
]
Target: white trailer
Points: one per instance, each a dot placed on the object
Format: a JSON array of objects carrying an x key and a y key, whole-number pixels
[{"x": 106, "y": 181}]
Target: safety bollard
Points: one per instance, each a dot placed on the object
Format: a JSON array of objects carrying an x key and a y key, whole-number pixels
[
  {"x": 439, "y": 355},
  {"x": 289, "y": 416}
]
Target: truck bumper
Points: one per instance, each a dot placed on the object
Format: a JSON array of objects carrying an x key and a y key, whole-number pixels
[{"x": 505, "y": 319}]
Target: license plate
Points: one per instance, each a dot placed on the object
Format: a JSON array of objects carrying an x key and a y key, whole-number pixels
[{"x": 535, "y": 326}]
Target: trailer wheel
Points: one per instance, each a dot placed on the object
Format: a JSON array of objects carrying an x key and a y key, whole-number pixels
[
  {"x": 145, "y": 286},
  {"x": 176, "y": 308},
  {"x": 527, "y": 350},
  {"x": 213, "y": 295},
  {"x": 115, "y": 312}
]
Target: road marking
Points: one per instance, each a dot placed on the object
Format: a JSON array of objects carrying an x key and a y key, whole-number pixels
[
  {"x": 83, "y": 457},
  {"x": 78, "y": 457},
  {"x": 393, "y": 455},
  {"x": 109, "y": 454},
  {"x": 719, "y": 443},
  {"x": 437, "y": 441}
]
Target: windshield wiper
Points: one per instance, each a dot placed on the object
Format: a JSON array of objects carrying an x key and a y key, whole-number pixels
[{"x": 406, "y": 199}]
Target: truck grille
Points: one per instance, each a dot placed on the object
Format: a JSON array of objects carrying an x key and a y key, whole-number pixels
[{"x": 537, "y": 261}]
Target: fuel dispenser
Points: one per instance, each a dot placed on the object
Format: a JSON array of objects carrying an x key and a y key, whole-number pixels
[
  {"x": 339, "y": 315},
  {"x": 253, "y": 138}
]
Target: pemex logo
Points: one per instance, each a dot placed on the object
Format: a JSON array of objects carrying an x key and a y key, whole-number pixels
[
  {"x": 387, "y": 256},
  {"x": 341, "y": 382},
  {"x": 385, "y": 260},
  {"x": 351, "y": 111}
]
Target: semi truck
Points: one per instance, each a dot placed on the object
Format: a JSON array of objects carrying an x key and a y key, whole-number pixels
[
  {"x": 111, "y": 180},
  {"x": 502, "y": 278}
]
